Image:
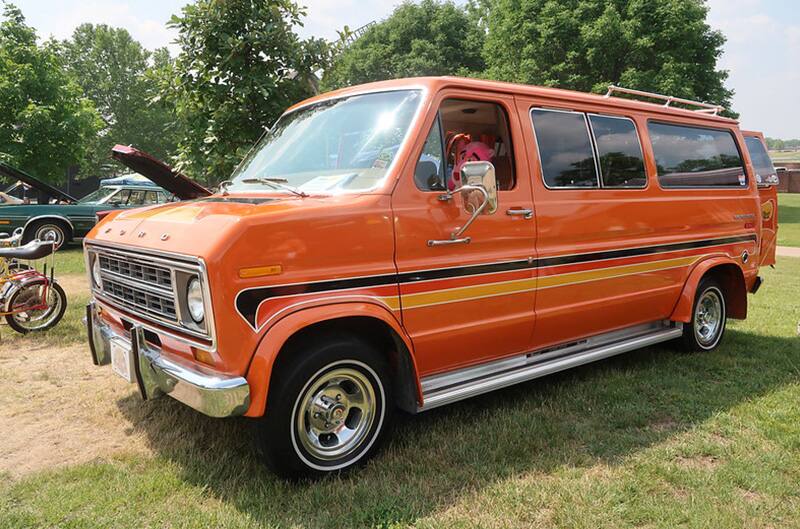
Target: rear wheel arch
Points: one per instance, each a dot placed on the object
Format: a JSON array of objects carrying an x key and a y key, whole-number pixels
[
  {"x": 731, "y": 279},
  {"x": 280, "y": 345},
  {"x": 34, "y": 224}
]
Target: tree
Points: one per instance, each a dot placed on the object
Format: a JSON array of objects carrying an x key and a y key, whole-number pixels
[
  {"x": 429, "y": 38},
  {"x": 664, "y": 46},
  {"x": 46, "y": 124},
  {"x": 240, "y": 66},
  {"x": 113, "y": 70}
]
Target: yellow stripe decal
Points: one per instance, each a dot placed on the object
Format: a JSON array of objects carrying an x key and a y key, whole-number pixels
[{"x": 437, "y": 297}]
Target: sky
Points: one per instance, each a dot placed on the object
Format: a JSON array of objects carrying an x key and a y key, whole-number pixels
[{"x": 762, "y": 52}]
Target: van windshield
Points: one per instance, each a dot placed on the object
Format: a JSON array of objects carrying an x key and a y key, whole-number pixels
[{"x": 338, "y": 145}]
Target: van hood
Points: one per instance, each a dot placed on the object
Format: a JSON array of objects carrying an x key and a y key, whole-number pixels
[{"x": 199, "y": 227}]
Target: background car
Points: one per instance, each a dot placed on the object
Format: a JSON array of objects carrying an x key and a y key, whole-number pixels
[{"x": 63, "y": 218}]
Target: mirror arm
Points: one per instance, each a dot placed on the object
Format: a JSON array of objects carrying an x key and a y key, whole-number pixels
[{"x": 459, "y": 231}]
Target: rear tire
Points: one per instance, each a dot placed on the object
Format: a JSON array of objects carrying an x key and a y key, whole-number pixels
[
  {"x": 709, "y": 312},
  {"x": 48, "y": 230},
  {"x": 328, "y": 408}
]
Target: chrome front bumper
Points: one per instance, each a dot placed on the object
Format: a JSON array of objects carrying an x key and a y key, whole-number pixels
[{"x": 205, "y": 390}]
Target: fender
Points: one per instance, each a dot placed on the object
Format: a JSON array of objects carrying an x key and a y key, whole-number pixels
[
  {"x": 733, "y": 282},
  {"x": 272, "y": 341}
]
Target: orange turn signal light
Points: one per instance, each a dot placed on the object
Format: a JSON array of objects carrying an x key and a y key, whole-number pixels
[{"x": 260, "y": 271}]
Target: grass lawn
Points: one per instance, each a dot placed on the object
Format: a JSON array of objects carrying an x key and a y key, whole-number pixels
[
  {"x": 789, "y": 219},
  {"x": 653, "y": 438},
  {"x": 784, "y": 156}
]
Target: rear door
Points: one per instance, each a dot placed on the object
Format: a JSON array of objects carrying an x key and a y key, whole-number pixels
[
  {"x": 767, "y": 179},
  {"x": 470, "y": 301}
]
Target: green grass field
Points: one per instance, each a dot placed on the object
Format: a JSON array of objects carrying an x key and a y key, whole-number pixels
[
  {"x": 779, "y": 157},
  {"x": 789, "y": 219},
  {"x": 653, "y": 438}
]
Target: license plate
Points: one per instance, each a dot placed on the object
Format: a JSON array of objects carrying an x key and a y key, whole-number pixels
[{"x": 121, "y": 359}]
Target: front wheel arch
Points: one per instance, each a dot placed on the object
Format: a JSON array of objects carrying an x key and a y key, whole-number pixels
[{"x": 365, "y": 320}]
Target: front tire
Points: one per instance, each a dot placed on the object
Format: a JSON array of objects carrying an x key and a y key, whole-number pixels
[
  {"x": 709, "y": 312},
  {"x": 328, "y": 408},
  {"x": 24, "y": 319}
]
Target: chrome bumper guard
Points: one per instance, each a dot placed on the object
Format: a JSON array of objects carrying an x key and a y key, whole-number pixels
[{"x": 208, "y": 392}]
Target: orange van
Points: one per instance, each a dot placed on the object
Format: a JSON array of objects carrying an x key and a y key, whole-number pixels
[{"x": 410, "y": 243}]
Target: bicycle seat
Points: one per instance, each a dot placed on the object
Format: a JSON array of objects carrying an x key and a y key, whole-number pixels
[{"x": 29, "y": 252}]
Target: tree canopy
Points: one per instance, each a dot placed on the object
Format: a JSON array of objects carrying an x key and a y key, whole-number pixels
[
  {"x": 428, "y": 38},
  {"x": 240, "y": 66},
  {"x": 46, "y": 124},
  {"x": 113, "y": 70},
  {"x": 656, "y": 45}
]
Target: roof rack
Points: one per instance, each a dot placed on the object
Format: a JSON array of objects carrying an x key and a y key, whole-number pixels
[{"x": 704, "y": 108}]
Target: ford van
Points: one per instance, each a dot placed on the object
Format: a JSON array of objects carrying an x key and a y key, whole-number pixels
[{"x": 411, "y": 243}]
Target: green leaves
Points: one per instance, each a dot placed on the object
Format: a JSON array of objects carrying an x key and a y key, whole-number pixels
[
  {"x": 46, "y": 124},
  {"x": 428, "y": 38},
  {"x": 241, "y": 65},
  {"x": 121, "y": 78},
  {"x": 657, "y": 45}
]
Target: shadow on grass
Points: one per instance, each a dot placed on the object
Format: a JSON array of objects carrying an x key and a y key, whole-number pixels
[{"x": 599, "y": 413}]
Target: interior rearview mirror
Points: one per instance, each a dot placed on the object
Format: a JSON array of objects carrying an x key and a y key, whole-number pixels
[{"x": 479, "y": 174}]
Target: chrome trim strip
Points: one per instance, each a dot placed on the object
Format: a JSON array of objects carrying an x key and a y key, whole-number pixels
[
  {"x": 446, "y": 388},
  {"x": 51, "y": 216}
]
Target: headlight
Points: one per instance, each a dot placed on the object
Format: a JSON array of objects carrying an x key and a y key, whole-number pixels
[
  {"x": 98, "y": 280},
  {"x": 194, "y": 300}
]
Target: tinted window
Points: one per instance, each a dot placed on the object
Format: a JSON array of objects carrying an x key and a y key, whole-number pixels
[
  {"x": 696, "y": 157},
  {"x": 565, "y": 148},
  {"x": 761, "y": 160},
  {"x": 619, "y": 151}
]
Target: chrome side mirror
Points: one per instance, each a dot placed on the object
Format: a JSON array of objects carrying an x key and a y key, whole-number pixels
[
  {"x": 479, "y": 194},
  {"x": 479, "y": 174}
]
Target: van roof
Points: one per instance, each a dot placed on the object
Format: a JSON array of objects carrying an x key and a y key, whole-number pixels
[{"x": 556, "y": 95}]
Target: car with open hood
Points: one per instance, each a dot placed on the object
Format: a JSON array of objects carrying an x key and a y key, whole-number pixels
[{"x": 56, "y": 215}]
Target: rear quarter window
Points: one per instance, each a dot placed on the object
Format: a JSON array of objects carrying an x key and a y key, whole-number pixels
[
  {"x": 758, "y": 155},
  {"x": 696, "y": 156}
]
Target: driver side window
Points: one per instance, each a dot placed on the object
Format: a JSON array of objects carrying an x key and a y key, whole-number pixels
[{"x": 465, "y": 131}]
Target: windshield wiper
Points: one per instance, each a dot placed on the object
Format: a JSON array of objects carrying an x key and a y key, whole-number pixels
[{"x": 276, "y": 183}]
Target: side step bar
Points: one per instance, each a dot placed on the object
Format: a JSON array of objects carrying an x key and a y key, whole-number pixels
[{"x": 453, "y": 386}]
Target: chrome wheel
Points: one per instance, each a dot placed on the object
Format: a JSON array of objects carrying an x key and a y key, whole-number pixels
[
  {"x": 51, "y": 232},
  {"x": 335, "y": 413},
  {"x": 708, "y": 317}
]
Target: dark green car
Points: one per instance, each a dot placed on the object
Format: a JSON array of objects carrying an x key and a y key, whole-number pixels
[{"x": 57, "y": 216}]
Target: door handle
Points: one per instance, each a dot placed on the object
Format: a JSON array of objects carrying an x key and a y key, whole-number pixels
[
  {"x": 445, "y": 242},
  {"x": 525, "y": 213}
]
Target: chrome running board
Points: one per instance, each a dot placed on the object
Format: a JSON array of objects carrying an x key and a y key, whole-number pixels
[{"x": 441, "y": 389}]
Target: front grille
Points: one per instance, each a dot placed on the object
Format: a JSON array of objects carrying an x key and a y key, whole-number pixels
[
  {"x": 158, "y": 305},
  {"x": 149, "y": 273},
  {"x": 146, "y": 286}
]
